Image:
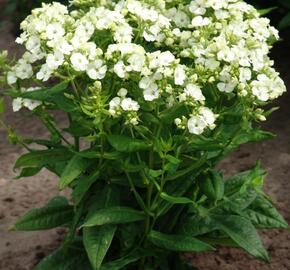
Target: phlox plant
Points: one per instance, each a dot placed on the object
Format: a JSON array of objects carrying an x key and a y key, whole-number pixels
[{"x": 156, "y": 94}]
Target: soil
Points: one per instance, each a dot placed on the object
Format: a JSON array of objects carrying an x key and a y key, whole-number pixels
[{"x": 22, "y": 250}]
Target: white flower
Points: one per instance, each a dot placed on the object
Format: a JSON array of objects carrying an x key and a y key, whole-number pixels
[
  {"x": 31, "y": 104},
  {"x": 55, "y": 60},
  {"x": 208, "y": 116},
  {"x": 97, "y": 70},
  {"x": 151, "y": 92},
  {"x": 136, "y": 62},
  {"x": 22, "y": 38},
  {"x": 63, "y": 46},
  {"x": 181, "y": 19},
  {"x": 114, "y": 106},
  {"x": 79, "y": 62},
  {"x": 179, "y": 75},
  {"x": 128, "y": 104},
  {"x": 166, "y": 58},
  {"x": 32, "y": 43},
  {"x": 196, "y": 125},
  {"x": 145, "y": 82},
  {"x": 54, "y": 31},
  {"x": 44, "y": 73},
  {"x": 261, "y": 87},
  {"x": 122, "y": 92},
  {"x": 120, "y": 69},
  {"x": 171, "y": 49},
  {"x": 227, "y": 84},
  {"x": 198, "y": 7},
  {"x": 151, "y": 33},
  {"x": 17, "y": 104},
  {"x": 226, "y": 54},
  {"x": 211, "y": 64},
  {"x": 245, "y": 75},
  {"x": 23, "y": 70},
  {"x": 123, "y": 33},
  {"x": 11, "y": 78},
  {"x": 226, "y": 87},
  {"x": 194, "y": 91},
  {"x": 200, "y": 21}
]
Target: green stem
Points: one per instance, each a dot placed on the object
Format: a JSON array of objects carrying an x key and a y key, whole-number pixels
[{"x": 137, "y": 195}]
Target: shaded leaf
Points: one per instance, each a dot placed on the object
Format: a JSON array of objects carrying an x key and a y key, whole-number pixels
[
  {"x": 263, "y": 214},
  {"x": 76, "y": 166},
  {"x": 56, "y": 213},
  {"x": 45, "y": 94},
  {"x": 197, "y": 225},
  {"x": 181, "y": 243},
  {"x": 27, "y": 172},
  {"x": 71, "y": 258},
  {"x": 122, "y": 262},
  {"x": 83, "y": 185},
  {"x": 127, "y": 144},
  {"x": 169, "y": 115},
  {"x": 242, "y": 231},
  {"x": 113, "y": 215},
  {"x": 97, "y": 241},
  {"x": 43, "y": 157}
]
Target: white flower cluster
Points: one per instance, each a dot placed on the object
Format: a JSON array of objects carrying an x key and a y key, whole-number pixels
[
  {"x": 19, "y": 103},
  {"x": 169, "y": 50},
  {"x": 122, "y": 104}
]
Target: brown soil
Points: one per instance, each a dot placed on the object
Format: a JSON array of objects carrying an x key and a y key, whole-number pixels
[{"x": 22, "y": 250}]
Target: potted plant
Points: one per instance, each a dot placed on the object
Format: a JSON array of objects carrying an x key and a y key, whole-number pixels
[{"x": 156, "y": 94}]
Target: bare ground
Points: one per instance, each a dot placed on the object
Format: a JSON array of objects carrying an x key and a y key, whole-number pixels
[{"x": 22, "y": 250}]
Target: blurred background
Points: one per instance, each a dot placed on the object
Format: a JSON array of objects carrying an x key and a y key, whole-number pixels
[{"x": 21, "y": 251}]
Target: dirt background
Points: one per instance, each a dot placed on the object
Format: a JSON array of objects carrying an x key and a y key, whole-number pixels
[{"x": 22, "y": 250}]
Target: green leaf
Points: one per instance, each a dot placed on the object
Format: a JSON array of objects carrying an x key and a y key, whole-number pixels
[
  {"x": 179, "y": 243},
  {"x": 79, "y": 127},
  {"x": 63, "y": 103},
  {"x": 56, "y": 213},
  {"x": 97, "y": 241},
  {"x": 212, "y": 185},
  {"x": 205, "y": 144},
  {"x": 106, "y": 155},
  {"x": 128, "y": 234},
  {"x": 238, "y": 181},
  {"x": 122, "y": 262},
  {"x": 263, "y": 215},
  {"x": 176, "y": 200},
  {"x": 242, "y": 231},
  {"x": 262, "y": 221},
  {"x": 169, "y": 115},
  {"x": 27, "y": 172},
  {"x": 197, "y": 225},
  {"x": 83, "y": 185},
  {"x": 76, "y": 166},
  {"x": 127, "y": 144},
  {"x": 45, "y": 94},
  {"x": 71, "y": 258},
  {"x": 251, "y": 135},
  {"x": 191, "y": 169},
  {"x": 43, "y": 157},
  {"x": 266, "y": 11},
  {"x": 104, "y": 198},
  {"x": 184, "y": 179},
  {"x": 113, "y": 215},
  {"x": 238, "y": 202}
]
